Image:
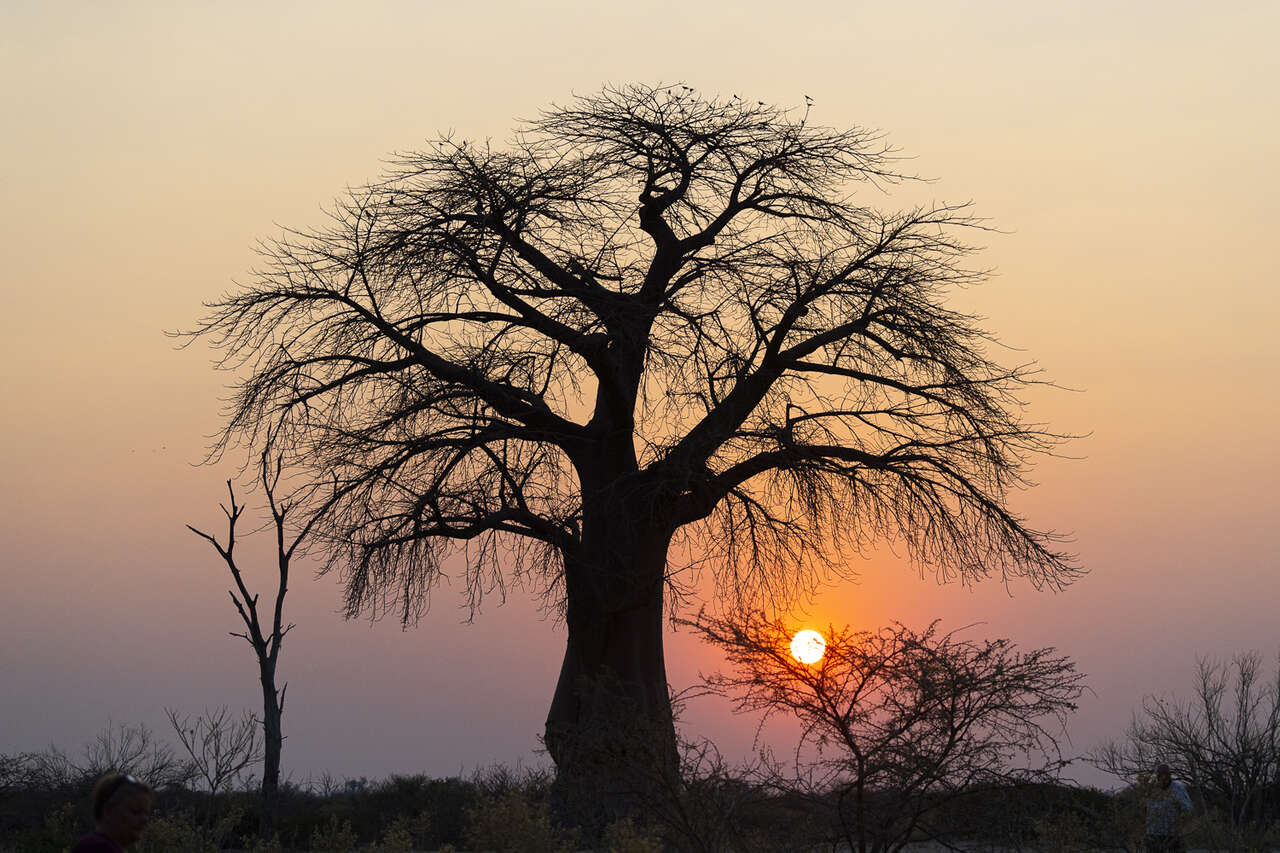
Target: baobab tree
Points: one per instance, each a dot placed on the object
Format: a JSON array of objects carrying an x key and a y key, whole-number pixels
[{"x": 653, "y": 324}]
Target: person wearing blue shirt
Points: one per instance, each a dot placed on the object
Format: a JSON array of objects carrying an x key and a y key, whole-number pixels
[{"x": 1167, "y": 800}]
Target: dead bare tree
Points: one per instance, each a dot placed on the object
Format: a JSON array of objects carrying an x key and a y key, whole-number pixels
[
  {"x": 266, "y": 639},
  {"x": 1224, "y": 741},
  {"x": 898, "y": 724},
  {"x": 653, "y": 318},
  {"x": 221, "y": 747}
]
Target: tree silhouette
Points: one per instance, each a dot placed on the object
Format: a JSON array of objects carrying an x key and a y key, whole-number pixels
[
  {"x": 901, "y": 723},
  {"x": 264, "y": 631},
  {"x": 654, "y": 324}
]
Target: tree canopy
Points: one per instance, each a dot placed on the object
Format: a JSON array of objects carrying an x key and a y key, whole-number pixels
[{"x": 694, "y": 284}]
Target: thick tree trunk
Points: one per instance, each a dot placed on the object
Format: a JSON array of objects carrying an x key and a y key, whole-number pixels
[{"x": 610, "y": 729}]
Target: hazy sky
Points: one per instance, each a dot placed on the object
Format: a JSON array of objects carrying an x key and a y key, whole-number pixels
[{"x": 1127, "y": 151}]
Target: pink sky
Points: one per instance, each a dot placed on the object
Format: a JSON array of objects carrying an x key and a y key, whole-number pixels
[{"x": 1127, "y": 153}]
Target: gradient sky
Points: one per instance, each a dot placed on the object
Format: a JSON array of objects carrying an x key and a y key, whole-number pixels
[{"x": 1127, "y": 151}]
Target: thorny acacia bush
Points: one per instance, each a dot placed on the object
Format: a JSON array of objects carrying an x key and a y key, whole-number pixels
[{"x": 900, "y": 721}]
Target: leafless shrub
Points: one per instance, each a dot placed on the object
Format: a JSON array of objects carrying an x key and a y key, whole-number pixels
[
  {"x": 1224, "y": 741},
  {"x": 116, "y": 748},
  {"x": 220, "y": 747}
]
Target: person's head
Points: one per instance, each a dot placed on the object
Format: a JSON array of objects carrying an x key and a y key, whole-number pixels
[
  {"x": 121, "y": 805},
  {"x": 1163, "y": 776}
]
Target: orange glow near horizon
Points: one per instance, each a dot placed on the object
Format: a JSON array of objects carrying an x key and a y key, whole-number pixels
[{"x": 808, "y": 646}]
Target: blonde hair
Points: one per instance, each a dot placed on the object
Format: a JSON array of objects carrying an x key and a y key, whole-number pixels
[{"x": 111, "y": 784}]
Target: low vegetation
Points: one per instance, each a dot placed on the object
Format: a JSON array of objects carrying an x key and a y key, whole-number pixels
[
  {"x": 879, "y": 777},
  {"x": 500, "y": 809}
]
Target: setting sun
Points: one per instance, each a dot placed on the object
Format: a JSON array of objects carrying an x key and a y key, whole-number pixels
[{"x": 808, "y": 646}]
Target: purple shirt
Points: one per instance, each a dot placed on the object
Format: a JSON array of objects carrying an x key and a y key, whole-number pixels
[{"x": 96, "y": 842}]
